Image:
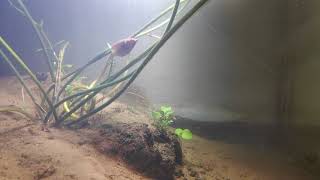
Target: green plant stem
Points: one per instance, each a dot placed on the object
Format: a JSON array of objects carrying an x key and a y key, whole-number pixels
[
  {"x": 111, "y": 68},
  {"x": 146, "y": 32},
  {"x": 174, "y": 13},
  {"x": 79, "y": 70},
  {"x": 93, "y": 60},
  {"x": 59, "y": 72},
  {"x": 105, "y": 69},
  {"x": 18, "y": 75},
  {"x": 86, "y": 92},
  {"x": 145, "y": 62},
  {"x": 46, "y": 39},
  {"x": 105, "y": 53},
  {"x": 139, "y": 33},
  {"x": 113, "y": 77},
  {"x": 29, "y": 72},
  {"x": 15, "y": 109},
  {"x": 51, "y": 87},
  {"x": 74, "y": 109},
  {"x": 97, "y": 88},
  {"x": 56, "y": 59},
  {"x": 164, "y": 12},
  {"x": 34, "y": 25},
  {"x": 131, "y": 64}
]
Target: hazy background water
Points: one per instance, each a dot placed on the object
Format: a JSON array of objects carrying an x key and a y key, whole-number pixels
[{"x": 222, "y": 65}]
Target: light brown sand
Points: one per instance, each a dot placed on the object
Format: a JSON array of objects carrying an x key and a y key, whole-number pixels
[{"x": 28, "y": 153}]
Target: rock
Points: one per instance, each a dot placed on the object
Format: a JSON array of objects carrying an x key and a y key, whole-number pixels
[{"x": 152, "y": 152}]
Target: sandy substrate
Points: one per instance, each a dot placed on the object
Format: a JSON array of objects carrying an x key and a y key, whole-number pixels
[{"x": 28, "y": 153}]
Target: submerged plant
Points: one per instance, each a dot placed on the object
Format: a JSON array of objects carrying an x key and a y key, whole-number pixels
[
  {"x": 68, "y": 101},
  {"x": 163, "y": 117},
  {"x": 185, "y": 134}
]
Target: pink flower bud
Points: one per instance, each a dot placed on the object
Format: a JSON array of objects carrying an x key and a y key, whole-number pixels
[{"x": 123, "y": 47}]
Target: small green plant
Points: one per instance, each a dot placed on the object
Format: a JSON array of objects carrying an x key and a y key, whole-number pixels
[
  {"x": 185, "y": 134},
  {"x": 163, "y": 117}
]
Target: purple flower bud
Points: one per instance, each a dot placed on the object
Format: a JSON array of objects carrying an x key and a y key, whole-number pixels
[{"x": 123, "y": 47}]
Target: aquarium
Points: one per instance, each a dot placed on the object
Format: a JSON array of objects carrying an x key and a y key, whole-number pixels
[{"x": 170, "y": 89}]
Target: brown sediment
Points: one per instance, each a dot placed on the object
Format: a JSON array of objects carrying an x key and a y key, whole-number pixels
[
  {"x": 149, "y": 151},
  {"x": 28, "y": 153}
]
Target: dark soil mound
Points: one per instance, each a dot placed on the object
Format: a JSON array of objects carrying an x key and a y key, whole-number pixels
[{"x": 149, "y": 151}]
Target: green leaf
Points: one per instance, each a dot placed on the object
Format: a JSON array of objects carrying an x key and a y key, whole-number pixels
[
  {"x": 156, "y": 115},
  {"x": 166, "y": 109},
  {"x": 168, "y": 115},
  {"x": 186, "y": 131},
  {"x": 186, "y": 134},
  {"x": 178, "y": 132}
]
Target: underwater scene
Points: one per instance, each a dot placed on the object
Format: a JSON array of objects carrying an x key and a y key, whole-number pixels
[{"x": 159, "y": 89}]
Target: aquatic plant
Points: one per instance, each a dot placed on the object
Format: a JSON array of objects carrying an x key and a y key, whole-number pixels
[
  {"x": 185, "y": 134},
  {"x": 68, "y": 101},
  {"x": 163, "y": 117},
  {"x": 17, "y": 110}
]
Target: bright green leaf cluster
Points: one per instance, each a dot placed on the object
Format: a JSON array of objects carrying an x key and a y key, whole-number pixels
[
  {"x": 184, "y": 133},
  {"x": 163, "y": 117}
]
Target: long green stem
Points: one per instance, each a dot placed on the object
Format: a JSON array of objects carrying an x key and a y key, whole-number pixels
[
  {"x": 18, "y": 75},
  {"x": 59, "y": 71},
  {"x": 96, "y": 89},
  {"x": 29, "y": 72},
  {"x": 163, "y": 13},
  {"x": 174, "y": 13},
  {"x": 158, "y": 26},
  {"x": 34, "y": 25},
  {"x": 55, "y": 59},
  {"x": 139, "y": 33},
  {"x": 105, "y": 69},
  {"x": 16, "y": 109},
  {"x": 93, "y": 60},
  {"x": 48, "y": 42},
  {"x": 105, "y": 53},
  {"x": 51, "y": 87},
  {"x": 131, "y": 64},
  {"x": 145, "y": 62},
  {"x": 78, "y": 71},
  {"x": 111, "y": 78}
]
